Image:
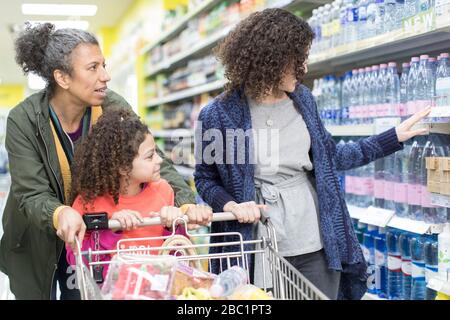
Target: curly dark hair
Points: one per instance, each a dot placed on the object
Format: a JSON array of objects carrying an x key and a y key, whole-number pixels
[
  {"x": 257, "y": 52},
  {"x": 41, "y": 49},
  {"x": 111, "y": 146}
]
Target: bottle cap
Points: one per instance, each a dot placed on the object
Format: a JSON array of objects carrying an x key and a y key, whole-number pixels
[
  {"x": 444, "y": 55},
  {"x": 392, "y": 64},
  {"x": 368, "y": 69},
  {"x": 415, "y": 59},
  {"x": 383, "y": 66},
  {"x": 424, "y": 57},
  {"x": 405, "y": 65}
]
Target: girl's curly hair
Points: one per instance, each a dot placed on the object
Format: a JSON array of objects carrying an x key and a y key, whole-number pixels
[
  {"x": 111, "y": 146},
  {"x": 257, "y": 52}
]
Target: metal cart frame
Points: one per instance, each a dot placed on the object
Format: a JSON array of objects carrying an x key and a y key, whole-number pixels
[{"x": 287, "y": 282}]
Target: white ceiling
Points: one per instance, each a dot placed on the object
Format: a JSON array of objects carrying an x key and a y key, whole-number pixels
[{"x": 108, "y": 14}]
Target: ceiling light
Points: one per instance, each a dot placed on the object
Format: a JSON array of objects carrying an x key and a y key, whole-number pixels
[
  {"x": 61, "y": 24},
  {"x": 59, "y": 9}
]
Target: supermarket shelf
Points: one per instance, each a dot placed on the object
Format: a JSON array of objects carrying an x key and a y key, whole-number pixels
[
  {"x": 191, "y": 92},
  {"x": 214, "y": 38},
  {"x": 394, "y": 45},
  {"x": 185, "y": 55},
  {"x": 396, "y": 222},
  {"x": 439, "y": 285},
  {"x": 173, "y": 133},
  {"x": 185, "y": 171},
  {"x": 181, "y": 24}
]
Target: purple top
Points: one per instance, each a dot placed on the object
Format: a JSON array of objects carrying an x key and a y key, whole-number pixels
[{"x": 74, "y": 136}]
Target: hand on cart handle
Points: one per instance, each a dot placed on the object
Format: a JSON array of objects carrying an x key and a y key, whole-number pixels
[
  {"x": 129, "y": 219},
  {"x": 404, "y": 131},
  {"x": 245, "y": 212},
  {"x": 70, "y": 226}
]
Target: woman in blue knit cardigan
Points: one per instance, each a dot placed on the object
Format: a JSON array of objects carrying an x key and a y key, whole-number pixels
[{"x": 265, "y": 60}]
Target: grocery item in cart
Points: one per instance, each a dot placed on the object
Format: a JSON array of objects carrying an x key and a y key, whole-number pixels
[
  {"x": 227, "y": 281},
  {"x": 189, "y": 277},
  {"x": 137, "y": 277},
  {"x": 249, "y": 292}
]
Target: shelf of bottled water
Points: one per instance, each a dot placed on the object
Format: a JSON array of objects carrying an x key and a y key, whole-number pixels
[
  {"x": 351, "y": 26},
  {"x": 362, "y": 95},
  {"x": 401, "y": 265}
]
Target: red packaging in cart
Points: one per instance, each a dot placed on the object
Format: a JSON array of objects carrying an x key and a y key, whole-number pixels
[{"x": 140, "y": 278}]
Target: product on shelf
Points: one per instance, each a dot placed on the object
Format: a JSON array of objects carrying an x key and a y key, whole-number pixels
[
  {"x": 364, "y": 94},
  {"x": 444, "y": 253}
]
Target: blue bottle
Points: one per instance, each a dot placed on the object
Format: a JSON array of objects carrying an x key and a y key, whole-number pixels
[
  {"x": 405, "y": 250},
  {"x": 381, "y": 263},
  {"x": 418, "y": 268},
  {"x": 431, "y": 264},
  {"x": 394, "y": 264},
  {"x": 368, "y": 249}
]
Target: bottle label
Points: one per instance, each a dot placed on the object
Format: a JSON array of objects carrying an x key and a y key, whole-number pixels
[
  {"x": 379, "y": 189},
  {"x": 362, "y": 13},
  {"x": 367, "y": 186},
  {"x": 379, "y": 110},
  {"x": 380, "y": 259},
  {"x": 418, "y": 270},
  {"x": 394, "y": 263},
  {"x": 421, "y": 105},
  {"x": 357, "y": 186},
  {"x": 349, "y": 185},
  {"x": 389, "y": 190},
  {"x": 430, "y": 272},
  {"x": 426, "y": 198},
  {"x": 401, "y": 111},
  {"x": 351, "y": 112},
  {"x": 442, "y": 91},
  {"x": 366, "y": 253},
  {"x": 410, "y": 107},
  {"x": 372, "y": 110},
  {"x": 400, "y": 192},
  {"x": 406, "y": 267},
  {"x": 414, "y": 195}
]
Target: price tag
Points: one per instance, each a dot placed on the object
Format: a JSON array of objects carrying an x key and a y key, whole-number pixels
[
  {"x": 413, "y": 226},
  {"x": 438, "y": 112},
  {"x": 377, "y": 216},
  {"x": 439, "y": 285},
  {"x": 440, "y": 200},
  {"x": 383, "y": 124},
  {"x": 356, "y": 212}
]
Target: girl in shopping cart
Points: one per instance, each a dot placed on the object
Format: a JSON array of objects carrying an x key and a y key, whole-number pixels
[{"x": 117, "y": 171}]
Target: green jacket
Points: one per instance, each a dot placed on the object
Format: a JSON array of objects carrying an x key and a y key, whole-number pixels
[{"x": 30, "y": 248}]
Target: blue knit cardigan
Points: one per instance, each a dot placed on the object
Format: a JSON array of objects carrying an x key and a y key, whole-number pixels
[{"x": 218, "y": 182}]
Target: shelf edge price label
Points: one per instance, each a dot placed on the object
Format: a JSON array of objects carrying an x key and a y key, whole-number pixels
[
  {"x": 377, "y": 216},
  {"x": 437, "y": 112},
  {"x": 383, "y": 124}
]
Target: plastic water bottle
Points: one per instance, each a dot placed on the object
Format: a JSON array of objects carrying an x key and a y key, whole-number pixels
[
  {"x": 368, "y": 249},
  {"x": 418, "y": 268},
  {"x": 401, "y": 181},
  {"x": 379, "y": 18},
  {"x": 390, "y": 13},
  {"x": 373, "y": 93},
  {"x": 414, "y": 189},
  {"x": 412, "y": 86},
  {"x": 399, "y": 7},
  {"x": 403, "y": 90},
  {"x": 346, "y": 92},
  {"x": 352, "y": 21},
  {"x": 410, "y": 8},
  {"x": 379, "y": 183},
  {"x": 389, "y": 182},
  {"x": 431, "y": 265},
  {"x": 444, "y": 253},
  {"x": 381, "y": 263},
  {"x": 381, "y": 90},
  {"x": 424, "y": 83},
  {"x": 394, "y": 265},
  {"x": 430, "y": 212},
  {"x": 432, "y": 68},
  {"x": 362, "y": 19},
  {"x": 371, "y": 26},
  {"x": 404, "y": 242},
  {"x": 227, "y": 281},
  {"x": 392, "y": 89},
  {"x": 442, "y": 87}
]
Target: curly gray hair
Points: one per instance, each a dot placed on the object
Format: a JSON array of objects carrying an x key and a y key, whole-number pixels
[{"x": 42, "y": 49}]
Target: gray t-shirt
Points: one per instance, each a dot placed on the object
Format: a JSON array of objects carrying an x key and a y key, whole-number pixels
[{"x": 281, "y": 145}]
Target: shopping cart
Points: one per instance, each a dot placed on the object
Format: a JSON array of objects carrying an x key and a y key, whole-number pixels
[{"x": 286, "y": 282}]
